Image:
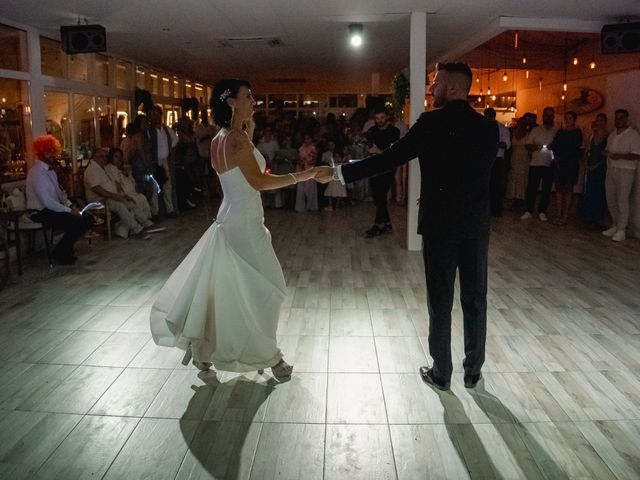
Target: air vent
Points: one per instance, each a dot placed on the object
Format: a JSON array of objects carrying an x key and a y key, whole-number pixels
[{"x": 232, "y": 42}]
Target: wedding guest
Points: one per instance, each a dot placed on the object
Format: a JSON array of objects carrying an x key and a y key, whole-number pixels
[
  {"x": 49, "y": 204},
  {"x": 595, "y": 197},
  {"x": 99, "y": 187},
  {"x": 567, "y": 152},
  {"x": 520, "y": 158},
  {"x": 136, "y": 150},
  {"x": 163, "y": 142},
  {"x": 499, "y": 169},
  {"x": 205, "y": 132},
  {"x": 623, "y": 153},
  {"x": 120, "y": 174},
  {"x": 307, "y": 193},
  {"x": 540, "y": 171},
  {"x": 336, "y": 192}
]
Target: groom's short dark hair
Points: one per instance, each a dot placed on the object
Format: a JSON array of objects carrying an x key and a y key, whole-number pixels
[{"x": 459, "y": 68}]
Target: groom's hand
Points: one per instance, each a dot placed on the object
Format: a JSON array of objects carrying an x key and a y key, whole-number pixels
[{"x": 324, "y": 174}]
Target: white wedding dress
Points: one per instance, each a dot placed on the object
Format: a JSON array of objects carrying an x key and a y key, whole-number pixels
[{"x": 225, "y": 296}]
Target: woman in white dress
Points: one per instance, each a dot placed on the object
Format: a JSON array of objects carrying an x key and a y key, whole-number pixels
[{"x": 223, "y": 301}]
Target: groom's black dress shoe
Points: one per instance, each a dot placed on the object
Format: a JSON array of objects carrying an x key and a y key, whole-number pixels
[
  {"x": 427, "y": 376},
  {"x": 470, "y": 381}
]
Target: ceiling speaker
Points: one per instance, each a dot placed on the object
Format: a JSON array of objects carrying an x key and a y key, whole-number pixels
[
  {"x": 83, "y": 38},
  {"x": 620, "y": 38}
]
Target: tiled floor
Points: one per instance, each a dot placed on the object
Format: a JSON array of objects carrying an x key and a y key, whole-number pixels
[{"x": 85, "y": 393}]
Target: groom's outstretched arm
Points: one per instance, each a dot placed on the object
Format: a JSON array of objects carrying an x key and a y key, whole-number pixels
[{"x": 405, "y": 149}]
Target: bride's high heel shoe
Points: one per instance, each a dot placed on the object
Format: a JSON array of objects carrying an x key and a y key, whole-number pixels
[
  {"x": 282, "y": 369},
  {"x": 203, "y": 366},
  {"x": 188, "y": 355}
]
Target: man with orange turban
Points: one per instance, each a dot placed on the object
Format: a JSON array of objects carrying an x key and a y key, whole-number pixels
[{"x": 49, "y": 204}]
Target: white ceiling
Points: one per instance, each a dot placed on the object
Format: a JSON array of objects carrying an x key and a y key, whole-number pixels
[{"x": 183, "y": 36}]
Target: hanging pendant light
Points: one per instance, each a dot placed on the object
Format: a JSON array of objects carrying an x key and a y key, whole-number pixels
[{"x": 575, "y": 60}]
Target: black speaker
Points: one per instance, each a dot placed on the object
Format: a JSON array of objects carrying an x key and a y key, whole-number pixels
[
  {"x": 83, "y": 38},
  {"x": 620, "y": 38}
]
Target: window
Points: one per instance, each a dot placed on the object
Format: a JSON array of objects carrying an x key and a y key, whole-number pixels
[
  {"x": 84, "y": 128},
  {"x": 14, "y": 115},
  {"x": 123, "y": 75},
  {"x": 102, "y": 69},
  {"x": 140, "y": 78},
  {"x": 56, "y": 105},
  {"x": 177, "y": 91},
  {"x": 283, "y": 101},
  {"x": 13, "y": 48},
  {"x": 106, "y": 121},
  {"x": 343, "y": 101},
  {"x": 78, "y": 67},
  {"x": 166, "y": 87},
  {"x": 122, "y": 119},
  {"x": 53, "y": 59}
]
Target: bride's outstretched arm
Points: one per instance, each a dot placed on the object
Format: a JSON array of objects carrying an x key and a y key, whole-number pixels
[{"x": 240, "y": 152}]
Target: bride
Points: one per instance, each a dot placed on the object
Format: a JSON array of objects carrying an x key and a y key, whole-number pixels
[{"x": 223, "y": 301}]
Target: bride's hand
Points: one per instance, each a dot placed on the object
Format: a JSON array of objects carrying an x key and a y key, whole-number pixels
[{"x": 306, "y": 174}]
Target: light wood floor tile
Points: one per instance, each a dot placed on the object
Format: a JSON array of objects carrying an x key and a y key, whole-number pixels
[
  {"x": 155, "y": 450},
  {"x": 426, "y": 451},
  {"x": 109, "y": 319},
  {"x": 305, "y": 321},
  {"x": 28, "y": 438},
  {"x": 357, "y": 452},
  {"x": 221, "y": 450},
  {"x": 132, "y": 393},
  {"x": 154, "y": 356},
  {"x": 400, "y": 354},
  {"x": 118, "y": 350},
  {"x": 66, "y": 316},
  {"x": 184, "y": 396},
  {"x": 352, "y": 354},
  {"x": 306, "y": 353},
  {"x": 75, "y": 348},
  {"x": 303, "y": 399},
  {"x": 392, "y": 322},
  {"x": 355, "y": 398},
  {"x": 298, "y": 453},
  {"x": 239, "y": 398},
  {"x": 138, "y": 322},
  {"x": 89, "y": 450},
  {"x": 33, "y": 385},
  {"x": 351, "y": 322},
  {"x": 78, "y": 392},
  {"x": 410, "y": 400}
]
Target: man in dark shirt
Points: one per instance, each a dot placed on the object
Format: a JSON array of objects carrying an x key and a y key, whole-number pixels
[
  {"x": 381, "y": 136},
  {"x": 456, "y": 147}
]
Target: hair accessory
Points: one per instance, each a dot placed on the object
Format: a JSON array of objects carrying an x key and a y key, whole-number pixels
[{"x": 224, "y": 95}]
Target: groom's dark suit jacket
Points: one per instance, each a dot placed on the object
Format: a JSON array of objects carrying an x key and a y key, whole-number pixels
[{"x": 456, "y": 147}]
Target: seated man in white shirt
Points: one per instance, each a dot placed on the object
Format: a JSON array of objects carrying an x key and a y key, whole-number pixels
[
  {"x": 99, "y": 187},
  {"x": 49, "y": 204}
]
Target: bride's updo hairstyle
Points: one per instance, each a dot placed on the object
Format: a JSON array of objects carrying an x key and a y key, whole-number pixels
[{"x": 223, "y": 90}]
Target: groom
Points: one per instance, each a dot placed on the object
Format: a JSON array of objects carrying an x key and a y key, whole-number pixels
[{"x": 456, "y": 147}]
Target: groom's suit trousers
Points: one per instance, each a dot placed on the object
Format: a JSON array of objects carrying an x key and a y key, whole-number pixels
[{"x": 442, "y": 257}]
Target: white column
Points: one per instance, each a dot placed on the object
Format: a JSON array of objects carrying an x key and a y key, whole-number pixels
[
  {"x": 418, "y": 73},
  {"x": 36, "y": 84}
]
